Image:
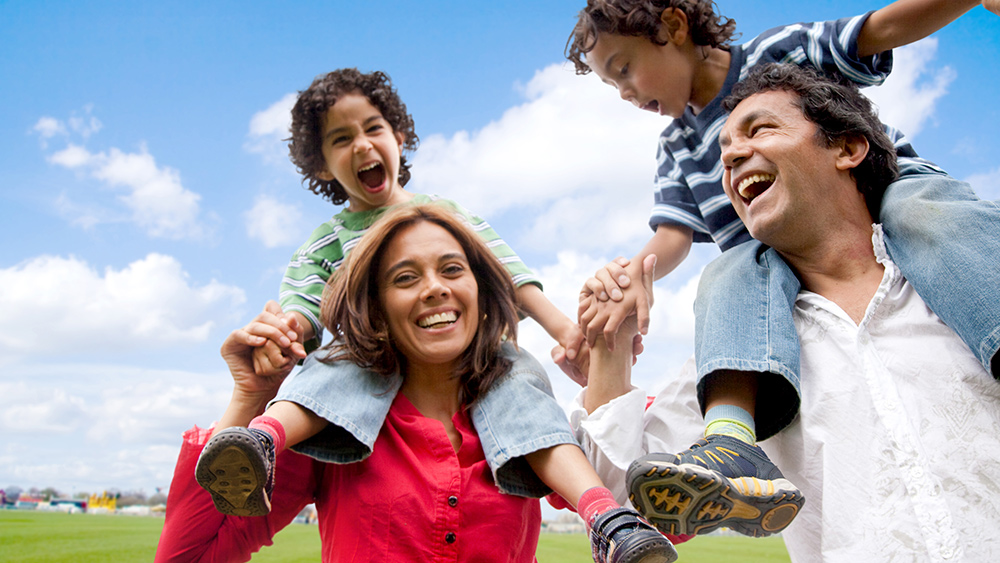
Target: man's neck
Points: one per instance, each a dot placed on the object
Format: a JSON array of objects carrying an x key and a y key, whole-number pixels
[{"x": 843, "y": 270}]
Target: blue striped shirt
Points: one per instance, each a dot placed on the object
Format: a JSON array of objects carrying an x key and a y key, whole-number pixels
[{"x": 688, "y": 187}]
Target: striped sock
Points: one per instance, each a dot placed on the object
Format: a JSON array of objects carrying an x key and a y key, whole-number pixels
[
  {"x": 273, "y": 427},
  {"x": 594, "y": 501},
  {"x": 733, "y": 421}
]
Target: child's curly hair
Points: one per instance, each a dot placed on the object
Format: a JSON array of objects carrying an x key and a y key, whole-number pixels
[
  {"x": 305, "y": 147},
  {"x": 641, "y": 18}
]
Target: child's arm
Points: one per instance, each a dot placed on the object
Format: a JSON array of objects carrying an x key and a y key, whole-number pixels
[
  {"x": 615, "y": 295},
  {"x": 568, "y": 334},
  {"x": 906, "y": 21}
]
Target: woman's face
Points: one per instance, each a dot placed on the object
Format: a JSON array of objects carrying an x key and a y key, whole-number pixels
[{"x": 429, "y": 295}]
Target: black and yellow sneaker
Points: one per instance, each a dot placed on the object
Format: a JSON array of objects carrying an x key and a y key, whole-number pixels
[
  {"x": 620, "y": 535},
  {"x": 720, "y": 481},
  {"x": 237, "y": 468}
]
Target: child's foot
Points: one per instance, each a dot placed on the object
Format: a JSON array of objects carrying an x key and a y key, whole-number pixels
[
  {"x": 620, "y": 535},
  {"x": 720, "y": 481},
  {"x": 237, "y": 467}
]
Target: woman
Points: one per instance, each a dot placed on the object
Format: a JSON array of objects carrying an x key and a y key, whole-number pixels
[{"x": 423, "y": 295}]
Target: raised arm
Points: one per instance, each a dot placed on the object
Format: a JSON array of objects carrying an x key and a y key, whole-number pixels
[
  {"x": 906, "y": 21},
  {"x": 610, "y": 373},
  {"x": 193, "y": 529}
]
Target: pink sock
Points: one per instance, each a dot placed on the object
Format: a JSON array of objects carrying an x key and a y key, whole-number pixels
[
  {"x": 594, "y": 501},
  {"x": 273, "y": 427}
]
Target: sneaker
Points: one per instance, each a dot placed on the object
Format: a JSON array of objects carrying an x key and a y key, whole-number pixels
[
  {"x": 720, "y": 481},
  {"x": 620, "y": 535},
  {"x": 237, "y": 468}
]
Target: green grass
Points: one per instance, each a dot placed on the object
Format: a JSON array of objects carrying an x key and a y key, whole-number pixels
[{"x": 52, "y": 537}]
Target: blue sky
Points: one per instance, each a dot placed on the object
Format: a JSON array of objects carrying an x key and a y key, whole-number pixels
[{"x": 149, "y": 207}]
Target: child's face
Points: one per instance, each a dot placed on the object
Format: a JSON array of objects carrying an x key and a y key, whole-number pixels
[
  {"x": 362, "y": 152},
  {"x": 652, "y": 77}
]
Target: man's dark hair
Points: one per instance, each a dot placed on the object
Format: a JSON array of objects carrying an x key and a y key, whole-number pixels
[
  {"x": 305, "y": 147},
  {"x": 840, "y": 111},
  {"x": 641, "y": 18}
]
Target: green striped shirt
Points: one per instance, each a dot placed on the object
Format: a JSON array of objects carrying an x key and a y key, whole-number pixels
[{"x": 316, "y": 260}]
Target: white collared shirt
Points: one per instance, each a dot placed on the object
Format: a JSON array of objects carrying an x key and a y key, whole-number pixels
[{"x": 897, "y": 443}]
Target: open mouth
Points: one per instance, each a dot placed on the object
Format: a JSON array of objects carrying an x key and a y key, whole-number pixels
[
  {"x": 372, "y": 175},
  {"x": 653, "y": 106},
  {"x": 439, "y": 320},
  {"x": 754, "y": 185}
]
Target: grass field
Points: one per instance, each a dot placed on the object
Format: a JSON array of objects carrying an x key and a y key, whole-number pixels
[{"x": 52, "y": 537}]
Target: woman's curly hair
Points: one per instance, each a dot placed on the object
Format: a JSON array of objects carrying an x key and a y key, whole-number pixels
[
  {"x": 641, "y": 18},
  {"x": 305, "y": 147}
]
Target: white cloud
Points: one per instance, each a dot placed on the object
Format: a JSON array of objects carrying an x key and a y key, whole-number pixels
[
  {"x": 275, "y": 223},
  {"x": 148, "y": 304},
  {"x": 572, "y": 140},
  {"x": 154, "y": 195},
  {"x": 914, "y": 80},
  {"x": 269, "y": 128},
  {"x": 987, "y": 184},
  {"x": 62, "y": 430},
  {"x": 48, "y": 127}
]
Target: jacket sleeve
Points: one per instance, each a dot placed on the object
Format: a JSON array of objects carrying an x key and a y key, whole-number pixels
[{"x": 195, "y": 531}]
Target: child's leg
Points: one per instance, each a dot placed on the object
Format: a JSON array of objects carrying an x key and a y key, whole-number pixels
[
  {"x": 516, "y": 417},
  {"x": 946, "y": 241},
  {"x": 531, "y": 450},
  {"x": 332, "y": 412},
  {"x": 351, "y": 403},
  {"x": 743, "y": 324},
  {"x": 748, "y": 360}
]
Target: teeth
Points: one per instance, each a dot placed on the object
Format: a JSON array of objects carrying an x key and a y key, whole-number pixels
[
  {"x": 439, "y": 318},
  {"x": 368, "y": 167},
  {"x": 751, "y": 180}
]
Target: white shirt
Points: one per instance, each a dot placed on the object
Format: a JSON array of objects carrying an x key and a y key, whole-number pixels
[{"x": 896, "y": 446}]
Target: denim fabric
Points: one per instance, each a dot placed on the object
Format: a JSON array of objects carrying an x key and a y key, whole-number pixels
[
  {"x": 517, "y": 416},
  {"x": 743, "y": 322},
  {"x": 944, "y": 239},
  {"x": 354, "y": 400}
]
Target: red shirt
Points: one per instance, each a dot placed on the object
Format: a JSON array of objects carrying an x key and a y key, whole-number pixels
[{"x": 414, "y": 499}]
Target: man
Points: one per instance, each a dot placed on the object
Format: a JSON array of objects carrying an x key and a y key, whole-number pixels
[{"x": 895, "y": 445}]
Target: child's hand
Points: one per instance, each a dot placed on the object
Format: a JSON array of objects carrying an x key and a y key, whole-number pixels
[
  {"x": 571, "y": 352},
  {"x": 250, "y": 386},
  {"x": 609, "y": 281},
  {"x": 576, "y": 368},
  {"x": 992, "y": 5},
  {"x": 605, "y": 317},
  {"x": 282, "y": 349}
]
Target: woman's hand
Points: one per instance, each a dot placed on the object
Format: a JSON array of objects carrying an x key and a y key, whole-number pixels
[{"x": 251, "y": 390}]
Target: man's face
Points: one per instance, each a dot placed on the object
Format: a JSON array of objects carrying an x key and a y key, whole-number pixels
[{"x": 779, "y": 175}]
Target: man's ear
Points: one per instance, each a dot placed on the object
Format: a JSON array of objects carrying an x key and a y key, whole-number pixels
[
  {"x": 853, "y": 151},
  {"x": 673, "y": 26}
]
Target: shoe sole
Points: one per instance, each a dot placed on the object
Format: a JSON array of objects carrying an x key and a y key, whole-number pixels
[
  {"x": 645, "y": 550},
  {"x": 235, "y": 477},
  {"x": 691, "y": 499}
]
